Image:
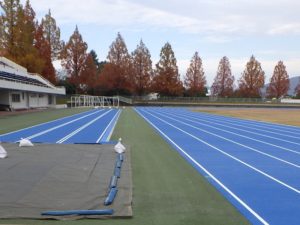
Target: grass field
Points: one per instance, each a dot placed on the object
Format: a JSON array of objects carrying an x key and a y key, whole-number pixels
[
  {"x": 282, "y": 116},
  {"x": 166, "y": 189}
]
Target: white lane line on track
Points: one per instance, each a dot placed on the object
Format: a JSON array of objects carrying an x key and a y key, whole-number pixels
[
  {"x": 229, "y": 140},
  {"x": 81, "y": 128},
  {"x": 264, "y": 126},
  {"x": 42, "y": 124},
  {"x": 230, "y": 156},
  {"x": 264, "y": 142},
  {"x": 255, "y": 214},
  {"x": 61, "y": 125},
  {"x": 112, "y": 120}
]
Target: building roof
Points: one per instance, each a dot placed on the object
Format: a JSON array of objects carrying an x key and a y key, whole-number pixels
[{"x": 16, "y": 77}]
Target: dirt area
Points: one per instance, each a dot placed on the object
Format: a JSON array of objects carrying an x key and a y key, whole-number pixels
[{"x": 282, "y": 116}]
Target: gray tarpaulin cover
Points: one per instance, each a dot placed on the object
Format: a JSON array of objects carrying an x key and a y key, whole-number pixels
[{"x": 61, "y": 177}]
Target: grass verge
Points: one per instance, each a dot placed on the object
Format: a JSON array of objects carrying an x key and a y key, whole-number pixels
[{"x": 166, "y": 189}]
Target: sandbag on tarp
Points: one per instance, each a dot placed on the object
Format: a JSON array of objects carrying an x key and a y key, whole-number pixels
[
  {"x": 121, "y": 157},
  {"x": 25, "y": 143},
  {"x": 78, "y": 212},
  {"x": 3, "y": 153},
  {"x": 111, "y": 196},
  {"x": 113, "y": 182},
  {"x": 117, "y": 172},
  {"x": 119, "y": 147},
  {"x": 118, "y": 163}
]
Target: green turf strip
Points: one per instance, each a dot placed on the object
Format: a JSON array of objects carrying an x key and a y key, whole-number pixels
[{"x": 166, "y": 189}]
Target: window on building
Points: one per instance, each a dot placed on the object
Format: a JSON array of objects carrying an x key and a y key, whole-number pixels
[{"x": 16, "y": 97}]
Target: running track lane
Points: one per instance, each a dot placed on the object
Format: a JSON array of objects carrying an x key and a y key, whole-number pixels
[
  {"x": 261, "y": 179},
  {"x": 88, "y": 127}
]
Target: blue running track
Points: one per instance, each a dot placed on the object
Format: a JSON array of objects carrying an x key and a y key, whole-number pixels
[
  {"x": 94, "y": 126},
  {"x": 255, "y": 165}
]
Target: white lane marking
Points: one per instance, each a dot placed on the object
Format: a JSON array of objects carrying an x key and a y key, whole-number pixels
[
  {"x": 265, "y": 127},
  {"x": 254, "y": 139},
  {"x": 81, "y": 128},
  {"x": 112, "y": 120},
  {"x": 255, "y": 214},
  {"x": 61, "y": 125},
  {"x": 230, "y": 156},
  {"x": 42, "y": 124},
  {"x": 219, "y": 136}
]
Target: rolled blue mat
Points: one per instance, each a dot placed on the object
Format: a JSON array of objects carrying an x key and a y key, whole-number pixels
[
  {"x": 78, "y": 212},
  {"x": 111, "y": 196},
  {"x": 113, "y": 181},
  {"x": 117, "y": 172},
  {"x": 121, "y": 157}
]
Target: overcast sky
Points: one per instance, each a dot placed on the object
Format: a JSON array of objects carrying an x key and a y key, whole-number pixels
[{"x": 270, "y": 30}]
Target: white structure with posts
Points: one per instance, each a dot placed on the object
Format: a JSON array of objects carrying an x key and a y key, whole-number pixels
[
  {"x": 94, "y": 101},
  {"x": 22, "y": 90}
]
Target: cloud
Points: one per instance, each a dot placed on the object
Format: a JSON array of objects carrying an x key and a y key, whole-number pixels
[
  {"x": 214, "y": 19},
  {"x": 285, "y": 29}
]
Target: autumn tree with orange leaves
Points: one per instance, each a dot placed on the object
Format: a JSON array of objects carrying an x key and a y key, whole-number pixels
[
  {"x": 51, "y": 33},
  {"x": 116, "y": 76},
  {"x": 195, "y": 80},
  {"x": 88, "y": 76},
  {"x": 142, "y": 69},
  {"x": 74, "y": 57},
  {"x": 279, "y": 82},
  {"x": 252, "y": 80},
  {"x": 9, "y": 27},
  {"x": 166, "y": 80},
  {"x": 223, "y": 84},
  {"x": 44, "y": 52}
]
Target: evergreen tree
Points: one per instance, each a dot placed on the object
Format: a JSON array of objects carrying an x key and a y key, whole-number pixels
[
  {"x": 223, "y": 82},
  {"x": 142, "y": 69},
  {"x": 95, "y": 58},
  {"x": 279, "y": 82},
  {"x": 252, "y": 80},
  {"x": 74, "y": 57},
  {"x": 166, "y": 80},
  {"x": 194, "y": 79},
  {"x": 52, "y": 35}
]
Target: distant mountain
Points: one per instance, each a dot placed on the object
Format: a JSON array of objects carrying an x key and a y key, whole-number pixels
[{"x": 294, "y": 81}]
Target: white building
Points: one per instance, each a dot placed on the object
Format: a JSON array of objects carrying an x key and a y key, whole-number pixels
[{"x": 22, "y": 90}]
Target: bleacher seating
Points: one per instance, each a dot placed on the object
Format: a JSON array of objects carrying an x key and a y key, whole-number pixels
[{"x": 21, "y": 79}]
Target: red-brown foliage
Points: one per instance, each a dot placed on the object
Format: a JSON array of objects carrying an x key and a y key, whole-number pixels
[
  {"x": 195, "y": 80},
  {"x": 252, "y": 80},
  {"x": 279, "y": 82},
  {"x": 223, "y": 82}
]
